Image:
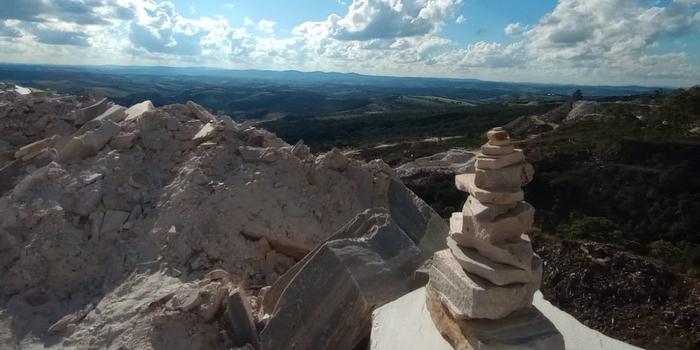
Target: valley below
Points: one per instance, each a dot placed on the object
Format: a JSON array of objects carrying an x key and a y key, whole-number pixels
[{"x": 616, "y": 186}]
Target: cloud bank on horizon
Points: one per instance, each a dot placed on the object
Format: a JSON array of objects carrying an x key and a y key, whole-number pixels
[{"x": 573, "y": 41}]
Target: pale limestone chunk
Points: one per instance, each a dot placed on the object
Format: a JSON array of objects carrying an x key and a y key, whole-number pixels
[{"x": 500, "y": 161}]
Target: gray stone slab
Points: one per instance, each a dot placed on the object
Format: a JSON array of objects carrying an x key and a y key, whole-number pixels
[
  {"x": 510, "y": 178},
  {"x": 507, "y": 226},
  {"x": 465, "y": 182},
  {"x": 239, "y": 320},
  {"x": 493, "y": 162},
  {"x": 516, "y": 252},
  {"x": 86, "y": 114},
  {"x": 499, "y": 274},
  {"x": 469, "y": 296},
  {"x": 113, "y": 221},
  {"x": 327, "y": 304}
]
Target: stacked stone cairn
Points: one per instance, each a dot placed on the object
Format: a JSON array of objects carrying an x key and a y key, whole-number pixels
[{"x": 489, "y": 270}]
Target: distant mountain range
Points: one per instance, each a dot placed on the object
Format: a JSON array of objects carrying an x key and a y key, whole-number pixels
[{"x": 446, "y": 86}]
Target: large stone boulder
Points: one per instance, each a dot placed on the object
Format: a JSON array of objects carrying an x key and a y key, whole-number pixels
[{"x": 327, "y": 304}]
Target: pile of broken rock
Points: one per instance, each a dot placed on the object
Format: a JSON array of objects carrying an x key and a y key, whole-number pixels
[{"x": 144, "y": 227}]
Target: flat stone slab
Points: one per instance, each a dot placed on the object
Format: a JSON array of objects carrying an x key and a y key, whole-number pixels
[
  {"x": 491, "y": 150},
  {"x": 240, "y": 320},
  {"x": 469, "y": 296},
  {"x": 465, "y": 183},
  {"x": 499, "y": 161},
  {"x": 507, "y": 226},
  {"x": 523, "y": 329},
  {"x": 115, "y": 114},
  {"x": 88, "y": 113},
  {"x": 485, "y": 212},
  {"x": 517, "y": 252},
  {"x": 98, "y": 138},
  {"x": 113, "y": 221},
  {"x": 134, "y": 112},
  {"x": 406, "y": 324},
  {"x": 500, "y": 274},
  {"x": 205, "y": 133},
  {"x": 509, "y": 178},
  {"x": 34, "y": 147}
]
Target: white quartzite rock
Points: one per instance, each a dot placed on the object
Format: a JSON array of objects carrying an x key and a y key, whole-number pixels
[
  {"x": 510, "y": 177},
  {"x": 465, "y": 182},
  {"x": 509, "y": 225},
  {"x": 500, "y": 274},
  {"x": 499, "y": 161},
  {"x": 205, "y": 133},
  {"x": 469, "y": 296},
  {"x": 135, "y": 111}
]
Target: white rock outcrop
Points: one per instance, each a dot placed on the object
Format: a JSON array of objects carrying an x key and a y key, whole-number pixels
[{"x": 109, "y": 231}]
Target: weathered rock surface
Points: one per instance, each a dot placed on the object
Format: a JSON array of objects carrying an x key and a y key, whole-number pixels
[
  {"x": 240, "y": 319},
  {"x": 465, "y": 182},
  {"x": 454, "y": 161},
  {"x": 369, "y": 262},
  {"x": 492, "y": 162},
  {"x": 472, "y": 261},
  {"x": 470, "y": 296},
  {"x": 509, "y": 225},
  {"x": 135, "y": 111},
  {"x": 126, "y": 214}
]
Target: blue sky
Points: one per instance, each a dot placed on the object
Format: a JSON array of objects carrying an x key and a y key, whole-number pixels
[{"x": 646, "y": 42}]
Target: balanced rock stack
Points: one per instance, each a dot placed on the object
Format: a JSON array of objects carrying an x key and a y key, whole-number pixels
[{"x": 489, "y": 270}]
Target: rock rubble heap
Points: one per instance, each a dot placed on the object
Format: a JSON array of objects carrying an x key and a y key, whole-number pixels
[{"x": 116, "y": 223}]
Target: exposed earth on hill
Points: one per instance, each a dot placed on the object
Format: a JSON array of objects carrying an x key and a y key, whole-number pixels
[
  {"x": 139, "y": 228},
  {"x": 623, "y": 295}
]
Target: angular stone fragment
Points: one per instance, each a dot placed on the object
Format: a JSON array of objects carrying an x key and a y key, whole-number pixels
[
  {"x": 328, "y": 302},
  {"x": 465, "y": 182},
  {"x": 201, "y": 113},
  {"x": 515, "y": 252},
  {"x": 334, "y": 159},
  {"x": 499, "y": 274},
  {"x": 113, "y": 221},
  {"x": 115, "y": 114},
  {"x": 498, "y": 162},
  {"x": 491, "y": 150},
  {"x": 485, "y": 212},
  {"x": 73, "y": 149},
  {"x": 87, "y": 178},
  {"x": 89, "y": 113},
  {"x": 89, "y": 198},
  {"x": 123, "y": 141},
  {"x": 509, "y": 225},
  {"x": 98, "y": 138},
  {"x": 34, "y": 148},
  {"x": 469, "y": 296},
  {"x": 257, "y": 154},
  {"x": 509, "y": 178},
  {"x": 240, "y": 320},
  {"x": 205, "y": 133},
  {"x": 134, "y": 112}
]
